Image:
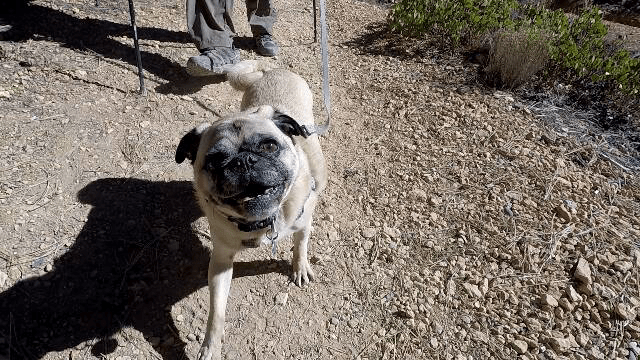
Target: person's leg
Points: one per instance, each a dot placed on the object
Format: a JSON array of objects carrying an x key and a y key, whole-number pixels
[
  {"x": 210, "y": 26},
  {"x": 262, "y": 15}
]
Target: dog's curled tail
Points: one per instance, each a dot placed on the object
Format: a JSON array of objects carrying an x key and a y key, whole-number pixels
[{"x": 245, "y": 73}]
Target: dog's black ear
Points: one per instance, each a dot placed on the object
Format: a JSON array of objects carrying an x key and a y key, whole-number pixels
[
  {"x": 289, "y": 125},
  {"x": 188, "y": 147}
]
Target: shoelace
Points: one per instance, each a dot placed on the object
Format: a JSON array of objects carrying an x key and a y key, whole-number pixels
[{"x": 266, "y": 38}]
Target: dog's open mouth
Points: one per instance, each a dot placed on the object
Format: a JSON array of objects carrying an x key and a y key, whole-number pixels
[{"x": 256, "y": 194}]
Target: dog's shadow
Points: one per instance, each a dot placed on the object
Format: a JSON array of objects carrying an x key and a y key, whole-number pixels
[{"x": 135, "y": 257}]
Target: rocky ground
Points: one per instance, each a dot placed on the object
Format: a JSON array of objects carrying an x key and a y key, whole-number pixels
[{"x": 460, "y": 222}]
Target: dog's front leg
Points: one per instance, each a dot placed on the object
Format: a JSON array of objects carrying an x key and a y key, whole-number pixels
[
  {"x": 302, "y": 272},
  {"x": 220, "y": 274}
]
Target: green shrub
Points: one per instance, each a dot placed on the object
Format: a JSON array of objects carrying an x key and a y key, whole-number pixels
[
  {"x": 453, "y": 19},
  {"x": 575, "y": 44}
]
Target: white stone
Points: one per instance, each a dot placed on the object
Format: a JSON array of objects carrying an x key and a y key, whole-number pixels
[
  {"x": 582, "y": 272},
  {"x": 281, "y": 298},
  {"x": 519, "y": 346}
]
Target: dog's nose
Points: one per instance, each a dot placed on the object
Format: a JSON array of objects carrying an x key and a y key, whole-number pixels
[
  {"x": 245, "y": 161},
  {"x": 251, "y": 159}
]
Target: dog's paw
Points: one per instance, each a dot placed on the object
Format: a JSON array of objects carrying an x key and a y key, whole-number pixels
[
  {"x": 209, "y": 352},
  {"x": 302, "y": 272}
]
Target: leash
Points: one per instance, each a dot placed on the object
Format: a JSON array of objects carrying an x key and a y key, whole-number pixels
[
  {"x": 324, "y": 54},
  {"x": 132, "y": 15}
]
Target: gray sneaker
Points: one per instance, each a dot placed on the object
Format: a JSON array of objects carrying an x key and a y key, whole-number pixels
[
  {"x": 214, "y": 61},
  {"x": 266, "y": 45}
]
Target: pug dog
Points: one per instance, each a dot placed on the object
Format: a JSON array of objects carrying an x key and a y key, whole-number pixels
[{"x": 258, "y": 174}]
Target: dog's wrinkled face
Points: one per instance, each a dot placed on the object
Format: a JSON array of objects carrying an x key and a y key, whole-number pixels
[{"x": 245, "y": 164}]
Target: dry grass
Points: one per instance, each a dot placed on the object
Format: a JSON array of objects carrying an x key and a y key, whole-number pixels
[{"x": 514, "y": 57}]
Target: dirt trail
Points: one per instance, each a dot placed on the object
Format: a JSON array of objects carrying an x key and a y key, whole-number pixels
[{"x": 449, "y": 230}]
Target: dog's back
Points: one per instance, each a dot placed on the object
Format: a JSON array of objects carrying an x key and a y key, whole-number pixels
[{"x": 244, "y": 74}]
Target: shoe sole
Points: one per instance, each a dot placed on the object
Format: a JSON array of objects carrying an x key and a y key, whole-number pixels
[
  {"x": 267, "y": 53},
  {"x": 195, "y": 70}
]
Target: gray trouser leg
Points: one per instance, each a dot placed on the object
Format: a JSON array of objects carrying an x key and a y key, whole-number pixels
[
  {"x": 209, "y": 22},
  {"x": 261, "y": 16}
]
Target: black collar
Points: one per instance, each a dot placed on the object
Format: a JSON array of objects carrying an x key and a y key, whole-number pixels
[{"x": 252, "y": 226}]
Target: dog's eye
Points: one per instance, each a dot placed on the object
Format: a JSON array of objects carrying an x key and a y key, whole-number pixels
[{"x": 268, "y": 146}]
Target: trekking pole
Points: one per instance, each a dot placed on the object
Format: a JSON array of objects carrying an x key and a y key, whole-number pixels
[
  {"x": 315, "y": 23},
  {"x": 132, "y": 15}
]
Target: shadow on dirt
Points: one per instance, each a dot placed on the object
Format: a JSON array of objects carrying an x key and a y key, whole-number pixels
[
  {"x": 29, "y": 21},
  {"x": 26, "y": 21},
  {"x": 135, "y": 257},
  {"x": 376, "y": 40},
  {"x": 188, "y": 85},
  {"x": 379, "y": 39}
]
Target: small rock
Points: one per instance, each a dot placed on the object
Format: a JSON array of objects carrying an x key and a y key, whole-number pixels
[
  {"x": 367, "y": 245},
  {"x": 586, "y": 289},
  {"x": 15, "y": 273},
  {"x": 582, "y": 339},
  {"x": 549, "y": 300},
  {"x": 333, "y": 235},
  {"x": 434, "y": 342},
  {"x": 405, "y": 314},
  {"x": 392, "y": 232},
  {"x": 3, "y": 278},
  {"x": 595, "y": 354},
  {"x": 562, "y": 213},
  {"x": 451, "y": 287},
  {"x": 625, "y": 311},
  {"x": 519, "y": 346},
  {"x": 562, "y": 345},
  {"x": 419, "y": 193},
  {"x": 368, "y": 233},
  {"x": 281, "y": 298},
  {"x": 623, "y": 266},
  {"x": 566, "y": 304},
  {"x": 334, "y": 320},
  {"x": 352, "y": 323},
  {"x": 473, "y": 290},
  {"x": 571, "y": 206},
  {"x": 582, "y": 272},
  {"x": 191, "y": 337},
  {"x": 484, "y": 287},
  {"x": 480, "y": 336},
  {"x": 636, "y": 257}
]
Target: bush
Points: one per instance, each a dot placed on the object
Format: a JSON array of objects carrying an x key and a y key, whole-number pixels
[
  {"x": 576, "y": 45},
  {"x": 452, "y": 19},
  {"x": 516, "y": 56}
]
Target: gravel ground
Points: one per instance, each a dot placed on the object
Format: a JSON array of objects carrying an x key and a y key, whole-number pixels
[{"x": 459, "y": 222}]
